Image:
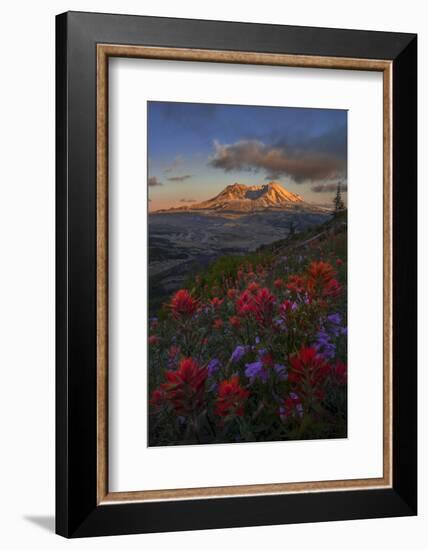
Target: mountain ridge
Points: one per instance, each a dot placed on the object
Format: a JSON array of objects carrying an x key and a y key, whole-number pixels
[{"x": 238, "y": 197}]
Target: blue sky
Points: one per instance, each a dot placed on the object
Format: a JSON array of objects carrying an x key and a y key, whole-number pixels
[{"x": 195, "y": 150}]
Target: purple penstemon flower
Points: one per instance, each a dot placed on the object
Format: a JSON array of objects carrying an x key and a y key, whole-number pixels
[
  {"x": 238, "y": 353},
  {"x": 324, "y": 345},
  {"x": 299, "y": 409},
  {"x": 256, "y": 370},
  {"x": 172, "y": 359},
  {"x": 293, "y": 406},
  {"x": 281, "y": 371},
  {"x": 335, "y": 328},
  {"x": 326, "y": 337},
  {"x": 335, "y": 318},
  {"x": 281, "y": 325},
  {"x": 213, "y": 366}
]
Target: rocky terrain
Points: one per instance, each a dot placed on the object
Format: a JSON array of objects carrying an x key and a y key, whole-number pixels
[{"x": 238, "y": 220}]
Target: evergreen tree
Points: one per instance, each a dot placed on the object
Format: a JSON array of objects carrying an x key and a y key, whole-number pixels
[{"x": 339, "y": 205}]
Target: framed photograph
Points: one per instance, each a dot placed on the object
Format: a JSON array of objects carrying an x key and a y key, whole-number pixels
[{"x": 236, "y": 274}]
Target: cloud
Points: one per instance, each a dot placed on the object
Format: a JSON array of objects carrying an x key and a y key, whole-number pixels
[
  {"x": 333, "y": 142},
  {"x": 188, "y": 200},
  {"x": 180, "y": 178},
  {"x": 298, "y": 163},
  {"x": 329, "y": 187},
  {"x": 153, "y": 181}
]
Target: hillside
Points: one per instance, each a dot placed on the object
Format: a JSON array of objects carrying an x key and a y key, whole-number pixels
[
  {"x": 323, "y": 240},
  {"x": 254, "y": 347},
  {"x": 184, "y": 241}
]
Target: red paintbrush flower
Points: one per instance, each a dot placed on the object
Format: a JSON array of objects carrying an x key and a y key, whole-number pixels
[
  {"x": 234, "y": 321},
  {"x": 231, "y": 293},
  {"x": 216, "y": 302},
  {"x": 339, "y": 373},
  {"x": 296, "y": 284},
  {"x": 183, "y": 304},
  {"x": 308, "y": 371},
  {"x": 253, "y": 287},
  {"x": 331, "y": 289},
  {"x": 231, "y": 398},
  {"x": 157, "y": 399},
  {"x": 264, "y": 302},
  {"x": 267, "y": 359},
  {"x": 218, "y": 324},
  {"x": 278, "y": 283},
  {"x": 291, "y": 407},
  {"x": 245, "y": 304},
  {"x": 185, "y": 387},
  {"x": 258, "y": 305},
  {"x": 286, "y": 307},
  {"x": 154, "y": 340},
  {"x": 318, "y": 288},
  {"x": 321, "y": 270},
  {"x": 321, "y": 281}
]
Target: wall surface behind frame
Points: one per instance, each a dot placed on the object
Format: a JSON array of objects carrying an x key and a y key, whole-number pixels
[{"x": 27, "y": 273}]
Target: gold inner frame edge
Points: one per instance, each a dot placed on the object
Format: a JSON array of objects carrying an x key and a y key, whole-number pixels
[{"x": 104, "y": 51}]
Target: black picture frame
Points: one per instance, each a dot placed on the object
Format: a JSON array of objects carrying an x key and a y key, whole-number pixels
[{"x": 77, "y": 511}]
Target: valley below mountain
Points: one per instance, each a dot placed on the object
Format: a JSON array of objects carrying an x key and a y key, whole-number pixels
[{"x": 185, "y": 240}]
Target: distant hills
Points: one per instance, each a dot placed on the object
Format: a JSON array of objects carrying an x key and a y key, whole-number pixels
[{"x": 250, "y": 198}]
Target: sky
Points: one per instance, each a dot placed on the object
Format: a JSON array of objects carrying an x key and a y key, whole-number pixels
[{"x": 195, "y": 150}]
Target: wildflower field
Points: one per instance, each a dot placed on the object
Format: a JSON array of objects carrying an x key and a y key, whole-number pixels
[{"x": 254, "y": 348}]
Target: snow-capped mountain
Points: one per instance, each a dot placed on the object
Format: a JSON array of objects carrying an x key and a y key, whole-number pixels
[{"x": 250, "y": 198}]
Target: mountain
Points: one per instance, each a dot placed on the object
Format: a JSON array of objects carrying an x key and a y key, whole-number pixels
[{"x": 249, "y": 198}]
